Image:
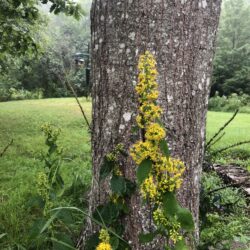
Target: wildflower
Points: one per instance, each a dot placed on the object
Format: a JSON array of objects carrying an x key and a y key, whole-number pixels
[
  {"x": 104, "y": 237},
  {"x": 104, "y": 246},
  {"x": 155, "y": 132},
  {"x": 149, "y": 188}
]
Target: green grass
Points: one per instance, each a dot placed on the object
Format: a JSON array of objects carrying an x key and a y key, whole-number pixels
[
  {"x": 237, "y": 131},
  {"x": 21, "y": 121}
]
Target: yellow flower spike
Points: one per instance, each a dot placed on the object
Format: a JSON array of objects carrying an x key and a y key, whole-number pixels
[
  {"x": 166, "y": 172},
  {"x": 104, "y": 237}
]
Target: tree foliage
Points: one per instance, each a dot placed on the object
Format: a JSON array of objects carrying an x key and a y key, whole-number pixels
[
  {"x": 232, "y": 61},
  {"x": 18, "y": 17},
  {"x": 46, "y": 65}
]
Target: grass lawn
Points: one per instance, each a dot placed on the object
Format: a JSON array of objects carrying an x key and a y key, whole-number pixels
[
  {"x": 237, "y": 131},
  {"x": 21, "y": 121}
]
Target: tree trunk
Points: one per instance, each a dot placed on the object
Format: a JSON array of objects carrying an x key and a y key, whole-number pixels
[{"x": 181, "y": 34}]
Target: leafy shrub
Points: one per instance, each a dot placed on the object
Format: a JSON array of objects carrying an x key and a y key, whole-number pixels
[
  {"x": 5, "y": 95},
  {"x": 28, "y": 218},
  {"x": 19, "y": 94},
  {"x": 22, "y": 94},
  {"x": 230, "y": 103},
  {"x": 223, "y": 211}
]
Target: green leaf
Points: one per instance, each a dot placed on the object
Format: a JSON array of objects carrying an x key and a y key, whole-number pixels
[
  {"x": 185, "y": 217},
  {"x": 2, "y": 235},
  {"x": 61, "y": 244},
  {"x": 143, "y": 170},
  {"x": 164, "y": 148},
  {"x": 49, "y": 221},
  {"x": 66, "y": 217},
  {"x": 130, "y": 187},
  {"x": 92, "y": 242},
  {"x": 170, "y": 204},
  {"x": 37, "y": 227},
  {"x": 114, "y": 242},
  {"x": 118, "y": 184},
  {"x": 180, "y": 245},
  {"x": 35, "y": 202},
  {"x": 145, "y": 238},
  {"x": 106, "y": 214},
  {"x": 62, "y": 241},
  {"x": 106, "y": 168}
]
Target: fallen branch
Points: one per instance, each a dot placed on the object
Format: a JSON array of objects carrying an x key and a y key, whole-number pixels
[{"x": 6, "y": 147}]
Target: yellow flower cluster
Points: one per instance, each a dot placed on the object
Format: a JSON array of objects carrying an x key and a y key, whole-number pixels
[
  {"x": 147, "y": 90},
  {"x": 104, "y": 246},
  {"x": 160, "y": 219},
  {"x": 43, "y": 191},
  {"x": 104, "y": 237},
  {"x": 42, "y": 185},
  {"x": 149, "y": 189},
  {"x": 154, "y": 132},
  {"x": 143, "y": 150},
  {"x": 166, "y": 172}
]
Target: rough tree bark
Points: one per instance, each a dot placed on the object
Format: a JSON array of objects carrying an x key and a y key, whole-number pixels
[{"x": 181, "y": 34}]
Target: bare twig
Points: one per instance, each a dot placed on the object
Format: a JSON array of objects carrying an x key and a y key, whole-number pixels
[
  {"x": 6, "y": 147},
  {"x": 214, "y": 142},
  {"x": 77, "y": 100},
  {"x": 231, "y": 146},
  {"x": 222, "y": 128}
]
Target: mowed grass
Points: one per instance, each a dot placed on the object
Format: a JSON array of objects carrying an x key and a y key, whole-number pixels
[
  {"x": 21, "y": 121},
  {"x": 238, "y": 130}
]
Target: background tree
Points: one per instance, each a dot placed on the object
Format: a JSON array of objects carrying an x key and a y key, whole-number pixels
[
  {"x": 181, "y": 34},
  {"x": 232, "y": 62},
  {"x": 44, "y": 66}
]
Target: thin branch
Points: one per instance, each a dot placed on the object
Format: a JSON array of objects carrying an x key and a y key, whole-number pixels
[
  {"x": 6, "y": 147},
  {"x": 214, "y": 142},
  {"x": 78, "y": 102},
  {"x": 222, "y": 128},
  {"x": 68, "y": 84},
  {"x": 231, "y": 146}
]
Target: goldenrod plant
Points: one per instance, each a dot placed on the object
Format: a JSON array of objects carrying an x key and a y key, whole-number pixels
[{"x": 158, "y": 174}]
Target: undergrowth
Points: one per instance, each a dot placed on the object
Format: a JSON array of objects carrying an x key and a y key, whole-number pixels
[{"x": 27, "y": 216}]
